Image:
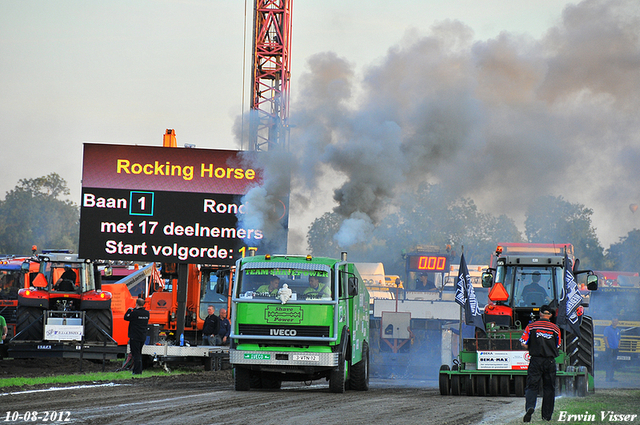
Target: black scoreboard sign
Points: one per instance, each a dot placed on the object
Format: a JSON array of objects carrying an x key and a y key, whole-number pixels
[{"x": 166, "y": 204}]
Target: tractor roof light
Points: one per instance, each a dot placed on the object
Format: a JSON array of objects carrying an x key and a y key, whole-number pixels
[
  {"x": 309, "y": 257},
  {"x": 499, "y": 250}
]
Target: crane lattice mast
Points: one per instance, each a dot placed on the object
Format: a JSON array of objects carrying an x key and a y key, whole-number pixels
[{"x": 270, "y": 75}]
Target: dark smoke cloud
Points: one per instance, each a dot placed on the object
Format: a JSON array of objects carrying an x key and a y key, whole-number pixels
[{"x": 501, "y": 121}]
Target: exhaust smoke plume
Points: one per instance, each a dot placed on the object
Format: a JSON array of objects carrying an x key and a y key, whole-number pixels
[{"x": 501, "y": 121}]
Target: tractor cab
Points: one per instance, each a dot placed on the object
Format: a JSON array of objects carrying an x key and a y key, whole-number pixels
[{"x": 521, "y": 288}]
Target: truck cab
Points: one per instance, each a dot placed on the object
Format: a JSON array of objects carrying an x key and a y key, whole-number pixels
[{"x": 299, "y": 318}]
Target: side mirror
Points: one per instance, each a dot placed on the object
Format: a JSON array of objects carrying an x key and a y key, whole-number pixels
[
  {"x": 97, "y": 276},
  {"x": 592, "y": 282},
  {"x": 353, "y": 286},
  {"x": 487, "y": 280},
  {"x": 221, "y": 285},
  {"x": 25, "y": 266}
]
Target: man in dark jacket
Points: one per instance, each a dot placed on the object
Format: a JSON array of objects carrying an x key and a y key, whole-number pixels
[
  {"x": 138, "y": 319},
  {"x": 542, "y": 339},
  {"x": 222, "y": 338},
  {"x": 210, "y": 327}
]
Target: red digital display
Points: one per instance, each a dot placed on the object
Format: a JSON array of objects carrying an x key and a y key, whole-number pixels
[{"x": 437, "y": 263}]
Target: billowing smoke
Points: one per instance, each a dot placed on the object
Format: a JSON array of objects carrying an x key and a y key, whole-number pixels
[
  {"x": 265, "y": 204},
  {"x": 501, "y": 121}
]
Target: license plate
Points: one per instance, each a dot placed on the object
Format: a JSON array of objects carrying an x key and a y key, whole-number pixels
[
  {"x": 306, "y": 357},
  {"x": 624, "y": 357},
  {"x": 257, "y": 356}
]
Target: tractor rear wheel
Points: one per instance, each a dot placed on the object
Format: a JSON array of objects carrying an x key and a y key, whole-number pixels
[
  {"x": 96, "y": 320},
  {"x": 30, "y": 318},
  {"x": 581, "y": 347}
]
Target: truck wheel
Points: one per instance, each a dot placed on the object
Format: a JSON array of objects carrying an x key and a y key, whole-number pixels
[
  {"x": 271, "y": 381},
  {"x": 96, "y": 320},
  {"x": 581, "y": 346},
  {"x": 337, "y": 379},
  {"x": 241, "y": 378},
  {"x": 25, "y": 317},
  {"x": 255, "y": 380},
  {"x": 519, "y": 381},
  {"x": 443, "y": 380},
  {"x": 359, "y": 376}
]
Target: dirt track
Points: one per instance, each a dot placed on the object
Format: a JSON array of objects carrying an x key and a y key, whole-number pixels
[{"x": 209, "y": 398}]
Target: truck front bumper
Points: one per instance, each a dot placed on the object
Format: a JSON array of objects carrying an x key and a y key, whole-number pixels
[{"x": 283, "y": 358}]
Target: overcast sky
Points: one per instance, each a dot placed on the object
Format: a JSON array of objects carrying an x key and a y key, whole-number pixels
[{"x": 123, "y": 71}]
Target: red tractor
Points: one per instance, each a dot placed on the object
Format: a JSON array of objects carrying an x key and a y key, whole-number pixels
[{"x": 64, "y": 302}]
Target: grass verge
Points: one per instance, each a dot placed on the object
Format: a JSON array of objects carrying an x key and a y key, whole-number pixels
[
  {"x": 85, "y": 377},
  {"x": 595, "y": 408}
]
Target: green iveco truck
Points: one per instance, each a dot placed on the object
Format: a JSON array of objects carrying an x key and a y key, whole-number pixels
[{"x": 299, "y": 318}]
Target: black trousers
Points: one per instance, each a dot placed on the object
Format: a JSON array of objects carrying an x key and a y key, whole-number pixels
[
  {"x": 545, "y": 369},
  {"x": 136, "y": 352},
  {"x": 610, "y": 359}
]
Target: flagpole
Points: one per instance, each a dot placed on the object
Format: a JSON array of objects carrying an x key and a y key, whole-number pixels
[{"x": 460, "y": 342}]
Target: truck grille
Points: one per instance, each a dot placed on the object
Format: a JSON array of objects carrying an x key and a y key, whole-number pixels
[{"x": 280, "y": 330}]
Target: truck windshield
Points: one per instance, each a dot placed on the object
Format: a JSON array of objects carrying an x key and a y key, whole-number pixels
[{"x": 304, "y": 283}]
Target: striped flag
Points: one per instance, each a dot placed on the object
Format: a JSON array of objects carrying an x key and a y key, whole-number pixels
[
  {"x": 570, "y": 299},
  {"x": 466, "y": 297}
]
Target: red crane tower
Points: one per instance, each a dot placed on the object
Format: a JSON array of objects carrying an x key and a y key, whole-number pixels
[{"x": 270, "y": 75}]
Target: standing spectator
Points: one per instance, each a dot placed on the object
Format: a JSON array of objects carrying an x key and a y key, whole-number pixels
[
  {"x": 542, "y": 339},
  {"x": 138, "y": 319},
  {"x": 3, "y": 329},
  {"x": 222, "y": 338},
  {"x": 611, "y": 344},
  {"x": 211, "y": 327}
]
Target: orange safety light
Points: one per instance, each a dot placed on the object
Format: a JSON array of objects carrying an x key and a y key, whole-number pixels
[
  {"x": 309, "y": 257},
  {"x": 267, "y": 257},
  {"x": 498, "y": 250},
  {"x": 498, "y": 293}
]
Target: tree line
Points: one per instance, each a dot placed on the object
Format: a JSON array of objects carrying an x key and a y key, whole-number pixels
[
  {"x": 430, "y": 216},
  {"x": 35, "y": 213}
]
